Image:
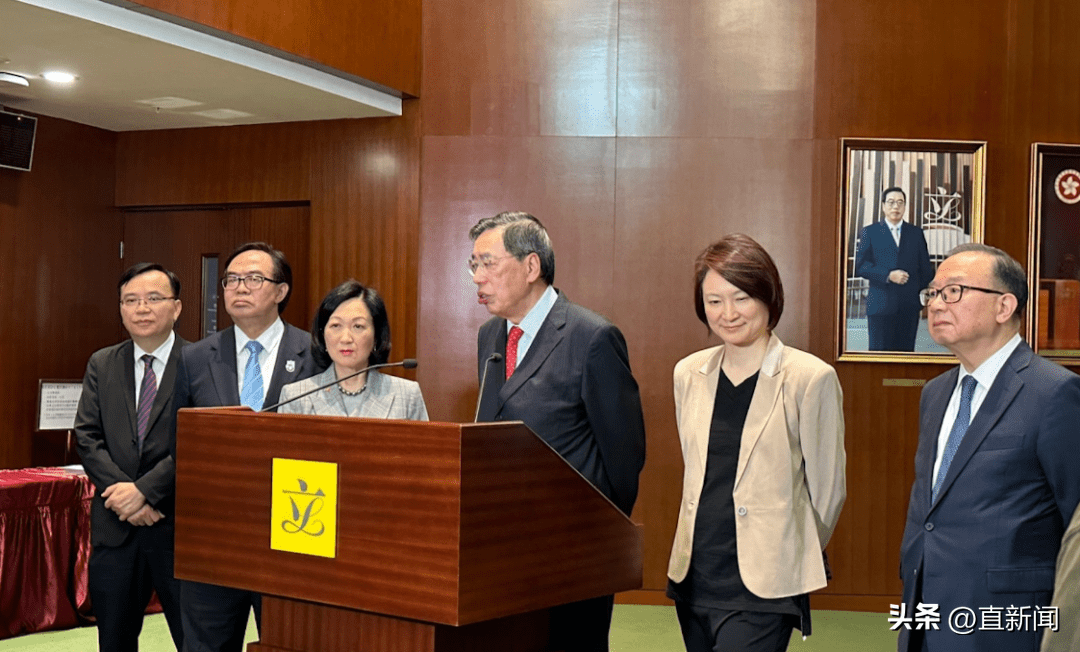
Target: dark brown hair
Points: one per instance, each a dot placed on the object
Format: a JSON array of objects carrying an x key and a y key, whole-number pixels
[{"x": 745, "y": 264}]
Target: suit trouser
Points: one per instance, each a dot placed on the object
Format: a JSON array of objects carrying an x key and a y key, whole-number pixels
[
  {"x": 719, "y": 630},
  {"x": 895, "y": 332},
  {"x": 216, "y": 617},
  {"x": 922, "y": 640},
  {"x": 121, "y": 580},
  {"x": 582, "y": 626}
]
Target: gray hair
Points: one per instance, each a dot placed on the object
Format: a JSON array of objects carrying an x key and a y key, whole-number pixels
[
  {"x": 523, "y": 235},
  {"x": 1008, "y": 273}
]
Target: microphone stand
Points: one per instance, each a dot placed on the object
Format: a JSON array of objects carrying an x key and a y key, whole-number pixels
[
  {"x": 407, "y": 363},
  {"x": 494, "y": 357}
]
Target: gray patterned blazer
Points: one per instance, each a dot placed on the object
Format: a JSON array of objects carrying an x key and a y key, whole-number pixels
[{"x": 384, "y": 397}]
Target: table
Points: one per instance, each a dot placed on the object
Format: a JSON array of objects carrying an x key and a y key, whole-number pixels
[{"x": 44, "y": 550}]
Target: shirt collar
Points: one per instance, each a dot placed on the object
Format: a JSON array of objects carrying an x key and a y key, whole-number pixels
[
  {"x": 267, "y": 339},
  {"x": 535, "y": 319},
  {"x": 160, "y": 353},
  {"x": 987, "y": 372}
]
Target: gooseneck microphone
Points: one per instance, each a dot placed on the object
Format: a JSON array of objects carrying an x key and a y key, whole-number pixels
[
  {"x": 408, "y": 363},
  {"x": 494, "y": 357}
]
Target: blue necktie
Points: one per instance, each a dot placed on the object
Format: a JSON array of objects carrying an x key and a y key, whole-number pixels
[
  {"x": 252, "y": 393},
  {"x": 147, "y": 394},
  {"x": 959, "y": 427}
]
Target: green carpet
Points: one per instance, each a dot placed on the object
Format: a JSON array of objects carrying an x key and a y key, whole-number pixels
[{"x": 634, "y": 628}]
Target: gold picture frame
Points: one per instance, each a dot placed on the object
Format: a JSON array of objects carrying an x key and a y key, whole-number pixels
[
  {"x": 1054, "y": 252},
  {"x": 942, "y": 190}
]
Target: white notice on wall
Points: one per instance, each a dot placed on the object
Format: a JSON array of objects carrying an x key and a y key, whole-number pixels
[{"x": 58, "y": 401}]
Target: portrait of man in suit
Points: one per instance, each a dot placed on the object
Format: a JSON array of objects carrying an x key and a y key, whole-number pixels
[
  {"x": 564, "y": 371},
  {"x": 125, "y": 427},
  {"x": 893, "y": 257},
  {"x": 246, "y": 364},
  {"x": 997, "y": 469}
]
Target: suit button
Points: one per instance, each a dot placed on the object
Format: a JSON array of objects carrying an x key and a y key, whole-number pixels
[
  {"x": 929, "y": 527},
  {"x": 742, "y": 511}
]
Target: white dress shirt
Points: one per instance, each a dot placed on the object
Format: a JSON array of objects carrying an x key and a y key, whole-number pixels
[
  {"x": 895, "y": 228},
  {"x": 984, "y": 376},
  {"x": 530, "y": 326},
  {"x": 271, "y": 341},
  {"x": 161, "y": 358}
]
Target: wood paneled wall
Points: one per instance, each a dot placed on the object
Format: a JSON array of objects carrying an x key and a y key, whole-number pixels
[
  {"x": 361, "y": 178},
  {"x": 376, "y": 40},
  {"x": 967, "y": 70},
  {"x": 59, "y": 261},
  {"x": 639, "y": 132}
]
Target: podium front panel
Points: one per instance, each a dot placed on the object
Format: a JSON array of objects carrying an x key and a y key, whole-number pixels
[
  {"x": 398, "y": 509},
  {"x": 436, "y": 522}
]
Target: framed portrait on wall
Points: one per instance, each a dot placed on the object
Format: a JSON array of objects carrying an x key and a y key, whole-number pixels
[
  {"x": 1054, "y": 251},
  {"x": 904, "y": 205}
]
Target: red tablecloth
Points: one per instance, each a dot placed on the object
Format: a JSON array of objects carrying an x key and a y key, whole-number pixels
[{"x": 44, "y": 550}]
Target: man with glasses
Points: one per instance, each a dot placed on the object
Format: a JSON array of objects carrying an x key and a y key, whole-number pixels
[
  {"x": 892, "y": 255},
  {"x": 126, "y": 433},
  {"x": 565, "y": 372},
  {"x": 246, "y": 364},
  {"x": 997, "y": 469}
]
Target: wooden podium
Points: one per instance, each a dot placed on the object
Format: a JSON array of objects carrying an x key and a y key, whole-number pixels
[{"x": 450, "y": 537}]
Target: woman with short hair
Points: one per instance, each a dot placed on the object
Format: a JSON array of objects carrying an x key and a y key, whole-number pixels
[
  {"x": 762, "y": 432},
  {"x": 350, "y": 332}
]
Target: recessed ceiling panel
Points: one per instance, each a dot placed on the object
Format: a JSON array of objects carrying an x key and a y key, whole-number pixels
[{"x": 136, "y": 72}]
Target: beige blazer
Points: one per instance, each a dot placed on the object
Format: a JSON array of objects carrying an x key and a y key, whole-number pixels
[
  {"x": 1066, "y": 593},
  {"x": 790, "y": 478}
]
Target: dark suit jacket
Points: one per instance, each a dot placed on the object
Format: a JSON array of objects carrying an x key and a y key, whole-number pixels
[
  {"x": 210, "y": 367},
  {"x": 992, "y": 537},
  {"x": 574, "y": 389},
  {"x": 877, "y": 255},
  {"x": 105, "y": 430}
]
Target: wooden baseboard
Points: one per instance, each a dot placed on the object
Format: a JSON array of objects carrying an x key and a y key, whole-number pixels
[{"x": 644, "y": 596}]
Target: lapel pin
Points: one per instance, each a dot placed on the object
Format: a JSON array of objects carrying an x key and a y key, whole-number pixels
[{"x": 290, "y": 366}]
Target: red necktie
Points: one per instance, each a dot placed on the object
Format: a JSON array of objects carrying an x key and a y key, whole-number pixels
[{"x": 511, "y": 349}]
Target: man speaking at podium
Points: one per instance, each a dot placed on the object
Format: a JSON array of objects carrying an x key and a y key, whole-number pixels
[
  {"x": 565, "y": 372},
  {"x": 246, "y": 364}
]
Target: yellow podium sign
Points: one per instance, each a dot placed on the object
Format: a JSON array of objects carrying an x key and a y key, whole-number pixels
[{"x": 303, "y": 507}]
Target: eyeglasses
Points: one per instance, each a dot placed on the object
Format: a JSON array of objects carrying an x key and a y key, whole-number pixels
[
  {"x": 487, "y": 262},
  {"x": 951, "y": 293},
  {"x": 251, "y": 281},
  {"x": 895, "y": 202},
  {"x": 154, "y": 300}
]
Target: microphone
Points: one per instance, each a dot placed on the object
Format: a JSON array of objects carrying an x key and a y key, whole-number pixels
[
  {"x": 494, "y": 357},
  {"x": 407, "y": 363}
]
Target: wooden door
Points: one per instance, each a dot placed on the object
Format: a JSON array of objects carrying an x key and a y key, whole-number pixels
[{"x": 195, "y": 244}]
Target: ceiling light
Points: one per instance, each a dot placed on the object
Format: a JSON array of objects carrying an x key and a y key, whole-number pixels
[
  {"x": 223, "y": 114},
  {"x": 59, "y": 77},
  {"x": 12, "y": 78},
  {"x": 169, "y": 103}
]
